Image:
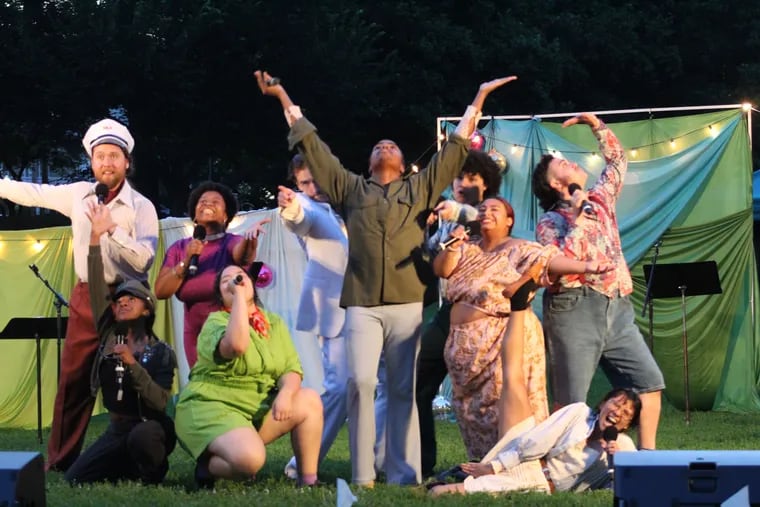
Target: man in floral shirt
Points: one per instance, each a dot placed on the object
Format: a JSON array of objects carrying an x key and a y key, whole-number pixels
[{"x": 588, "y": 319}]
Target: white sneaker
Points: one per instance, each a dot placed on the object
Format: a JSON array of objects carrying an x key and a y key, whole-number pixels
[{"x": 291, "y": 472}]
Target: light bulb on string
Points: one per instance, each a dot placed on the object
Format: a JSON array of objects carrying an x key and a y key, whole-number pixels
[
  {"x": 513, "y": 149},
  {"x": 672, "y": 143},
  {"x": 634, "y": 153},
  {"x": 37, "y": 246}
]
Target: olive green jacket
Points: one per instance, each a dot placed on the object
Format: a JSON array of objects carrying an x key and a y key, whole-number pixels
[{"x": 385, "y": 223}]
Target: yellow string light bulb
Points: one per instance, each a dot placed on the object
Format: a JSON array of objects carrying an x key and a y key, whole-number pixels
[
  {"x": 672, "y": 143},
  {"x": 634, "y": 153},
  {"x": 37, "y": 246}
]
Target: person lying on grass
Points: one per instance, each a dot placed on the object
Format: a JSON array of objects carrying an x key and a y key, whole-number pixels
[{"x": 569, "y": 451}]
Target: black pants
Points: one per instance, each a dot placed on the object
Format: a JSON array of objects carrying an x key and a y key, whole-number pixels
[
  {"x": 130, "y": 449},
  {"x": 431, "y": 370}
]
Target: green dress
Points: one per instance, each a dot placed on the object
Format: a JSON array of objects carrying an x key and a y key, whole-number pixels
[{"x": 222, "y": 394}]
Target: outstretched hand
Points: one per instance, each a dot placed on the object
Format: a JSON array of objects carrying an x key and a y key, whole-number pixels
[
  {"x": 490, "y": 86},
  {"x": 589, "y": 119},
  {"x": 266, "y": 85}
]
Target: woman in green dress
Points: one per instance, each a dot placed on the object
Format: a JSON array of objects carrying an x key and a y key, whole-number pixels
[{"x": 245, "y": 390}]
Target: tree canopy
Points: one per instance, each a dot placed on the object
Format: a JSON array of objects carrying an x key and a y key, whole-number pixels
[{"x": 180, "y": 72}]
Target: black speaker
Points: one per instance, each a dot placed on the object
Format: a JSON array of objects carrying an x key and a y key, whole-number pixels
[
  {"x": 22, "y": 479},
  {"x": 686, "y": 478}
]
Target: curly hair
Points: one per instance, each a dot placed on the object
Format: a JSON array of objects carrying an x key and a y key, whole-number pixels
[
  {"x": 479, "y": 162},
  {"x": 546, "y": 195},
  {"x": 230, "y": 202}
]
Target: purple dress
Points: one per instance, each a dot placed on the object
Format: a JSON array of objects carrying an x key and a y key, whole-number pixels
[{"x": 197, "y": 292}]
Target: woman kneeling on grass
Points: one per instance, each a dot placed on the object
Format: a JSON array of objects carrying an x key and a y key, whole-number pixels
[
  {"x": 245, "y": 391},
  {"x": 134, "y": 370},
  {"x": 567, "y": 452}
]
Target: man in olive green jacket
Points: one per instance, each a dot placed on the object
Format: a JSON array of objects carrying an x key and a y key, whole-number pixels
[{"x": 382, "y": 290}]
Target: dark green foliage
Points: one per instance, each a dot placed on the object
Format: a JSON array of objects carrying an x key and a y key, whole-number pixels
[{"x": 181, "y": 73}]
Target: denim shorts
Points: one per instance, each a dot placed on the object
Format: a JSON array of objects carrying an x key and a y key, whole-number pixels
[{"x": 585, "y": 328}]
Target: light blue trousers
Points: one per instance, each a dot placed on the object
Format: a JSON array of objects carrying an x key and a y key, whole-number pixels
[{"x": 394, "y": 332}]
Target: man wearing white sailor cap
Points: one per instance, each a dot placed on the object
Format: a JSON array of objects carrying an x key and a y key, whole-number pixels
[{"x": 128, "y": 250}]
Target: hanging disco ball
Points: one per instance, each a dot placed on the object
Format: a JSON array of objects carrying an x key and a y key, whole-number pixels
[
  {"x": 499, "y": 159},
  {"x": 477, "y": 141},
  {"x": 265, "y": 278}
]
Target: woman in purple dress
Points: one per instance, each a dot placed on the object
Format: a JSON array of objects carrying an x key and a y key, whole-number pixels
[{"x": 212, "y": 207}]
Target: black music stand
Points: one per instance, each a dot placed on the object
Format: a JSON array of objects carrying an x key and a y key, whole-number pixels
[
  {"x": 22, "y": 328},
  {"x": 681, "y": 280}
]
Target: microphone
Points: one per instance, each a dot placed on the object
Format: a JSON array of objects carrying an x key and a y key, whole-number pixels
[
  {"x": 198, "y": 233},
  {"x": 238, "y": 280},
  {"x": 101, "y": 190},
  {"x": 34, "y": 269},
  {"x": 452, "y": 240},
  {"x": 121, "y": 337},
  {"x": 585, "y": 205},
  {"x": 610, "y": 434}
]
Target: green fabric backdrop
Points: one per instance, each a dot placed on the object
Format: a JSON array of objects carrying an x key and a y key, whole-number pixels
[
  {"x": 689, "y": 183},
  {"x": 696, "y": 196}
]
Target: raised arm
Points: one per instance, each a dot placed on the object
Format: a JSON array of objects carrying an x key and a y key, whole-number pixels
[
  {"x": 610, "y": 182},
  {"x": 334, "y": 179},
  {"x": 97, "y": 286},
  {"x": 446, "y": 165}
]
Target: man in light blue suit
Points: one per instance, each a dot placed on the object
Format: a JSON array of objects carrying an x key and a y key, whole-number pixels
[{"x": 322, "y": 234}]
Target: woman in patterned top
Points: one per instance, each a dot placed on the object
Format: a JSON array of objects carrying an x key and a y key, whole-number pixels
[{"x": 478, "y": 273}]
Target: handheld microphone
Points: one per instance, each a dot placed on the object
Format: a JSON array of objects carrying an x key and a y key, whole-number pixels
[
  {"x": 238, "y": 280},
  {"x": 610, "y": 434},
  {"x": 34, "y": 269},
  {"x": 121, "y": 337},
  {"x": 585, "y": 205},
  {"x": 273, "y": 81},
  {"x": 452, "y": 240},
  {"x": 101, "y": 191},
  {"x": 198, "y": 233}
]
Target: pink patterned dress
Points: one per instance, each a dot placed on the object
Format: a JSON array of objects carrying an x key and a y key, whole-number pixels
[{"x": 473, "y": 349}]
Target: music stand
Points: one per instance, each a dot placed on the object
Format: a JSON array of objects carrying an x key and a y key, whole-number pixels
[
  {"x": 22, "y": 328},
  {"x": 680, "y": 280}
]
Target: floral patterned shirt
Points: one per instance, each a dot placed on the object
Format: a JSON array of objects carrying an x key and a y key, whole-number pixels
[
  {"x": 479, "y": 276},
  {"x": 595, "y": 237}
]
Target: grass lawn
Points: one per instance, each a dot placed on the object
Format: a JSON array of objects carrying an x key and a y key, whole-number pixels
[{"x": 708, "y": 430}]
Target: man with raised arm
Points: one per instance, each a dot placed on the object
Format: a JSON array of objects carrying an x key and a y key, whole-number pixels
[
  {"x": 382, "y": 291},
  {"x": 588, "y": 319}
]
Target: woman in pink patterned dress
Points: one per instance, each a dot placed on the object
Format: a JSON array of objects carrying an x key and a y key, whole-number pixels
[{"x": 478, "y": 271}]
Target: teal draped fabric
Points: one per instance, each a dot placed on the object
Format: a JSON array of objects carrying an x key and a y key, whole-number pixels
[{"x": 689, "y": 182}]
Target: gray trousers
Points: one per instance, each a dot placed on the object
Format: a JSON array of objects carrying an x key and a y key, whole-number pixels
[{"x": 394, "y": 331}]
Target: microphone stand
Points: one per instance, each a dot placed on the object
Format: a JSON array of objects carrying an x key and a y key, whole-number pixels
[
  {"x": 58, "y": 302},
  {"x": 648, "y": 303}
]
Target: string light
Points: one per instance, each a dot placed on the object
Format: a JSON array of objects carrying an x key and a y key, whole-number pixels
[
  {"x": 415, "y": 168},
  {"x": 513, "y": 149},
  {"x": 672, "y": 143},
  {"x": 37, "y": 246},
  {"x": 634, "y": 152}
]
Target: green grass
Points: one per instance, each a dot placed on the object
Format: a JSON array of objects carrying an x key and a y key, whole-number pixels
[{"x": 708, "y": 430}]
